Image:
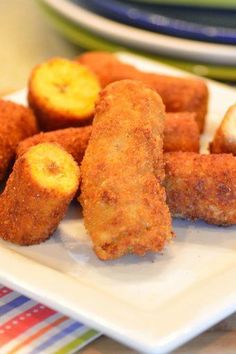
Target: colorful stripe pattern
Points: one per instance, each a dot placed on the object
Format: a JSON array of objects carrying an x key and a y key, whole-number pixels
[{"x": 33, "y": 328}]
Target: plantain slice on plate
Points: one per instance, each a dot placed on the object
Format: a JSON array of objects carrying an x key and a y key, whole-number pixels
[
  {"x": 43, "y": 182},
  {"x": 62, "y": 93}
]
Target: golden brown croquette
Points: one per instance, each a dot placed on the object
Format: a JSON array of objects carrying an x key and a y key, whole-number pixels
[
  {"x": 225, "y": 136},
  {"x": 73, "y": 140},
  {"x": 43, "y": 182},
  {"x": 201, "y": 186},
  {"x": 122, "y": 171},
  {"x": 181, "y": 132},
  {"x": 178, "y": 94},
  {"x": 16, "y": 123}
]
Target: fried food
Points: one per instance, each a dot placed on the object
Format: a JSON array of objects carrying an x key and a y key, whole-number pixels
[
  {"x": 62, "y": 93},
  {"x": 43, "y": 182},
  {"x": 201, "y": 186},
  {"x": 181, "y": 132},
  {"x": 122, "y": 171},
  {"x": 178, "y": 94},
  {"x": 73, "y": 140},
  {"x": 225, "y": 137},
  {"x": 16, "y": 123}
]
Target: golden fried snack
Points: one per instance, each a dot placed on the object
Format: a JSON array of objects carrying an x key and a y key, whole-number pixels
[
  {"x": 16, "y": 123},
  {"x": 201, "y": 186},
  {"x": 121, "y": 193},
  {"x": 181, "y": 132},
  {"x": 178, "y": 94},
  {"x": 37, "y": 194},
  {"x": 73, "y": 140},
  {"x": 225, "y": 137},
  {"x": 62, "y": 93}
]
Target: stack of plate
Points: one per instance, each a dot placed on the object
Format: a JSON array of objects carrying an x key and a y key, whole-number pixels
[{"x": 195, "y": 35}]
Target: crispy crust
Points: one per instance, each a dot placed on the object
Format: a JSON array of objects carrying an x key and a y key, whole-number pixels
[
  {"x": 178, "y": 94},
  {"x": 16, "y": 123},
  {"x": 201, "y": 187},
  {"x": 50, "y": 115},
  {"x": 181, "y": 132},
  {"x": 220, "y": 144},
  {"x": 225, "y": 139},
  {"x": 73, "y": 140},
  {"x": 30, "y": 212},
  {"x": 123, "y": 201}
]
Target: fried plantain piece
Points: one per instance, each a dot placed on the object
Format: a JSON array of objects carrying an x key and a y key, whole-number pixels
[
  {"x": 225, "y": 137},
  {"x": 201, "y": 186},
  {"x": 62, "y": 93},
  {"x": 178, "y": 94},
  {"x": 43, "y": 182},
  {"x": 122, "y": 171},
  {"x": 73, "y": 140},
  {"x": 181, "y": 132},
  {"x": 16, "y": 123}
]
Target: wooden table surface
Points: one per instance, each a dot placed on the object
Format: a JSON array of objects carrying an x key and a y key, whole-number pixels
[{"x": 26, "y": 39}]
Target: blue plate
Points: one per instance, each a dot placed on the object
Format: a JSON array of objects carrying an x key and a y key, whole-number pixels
[
  {"x": 213, "y": 25},
  {"x": 225, "y": 4}
]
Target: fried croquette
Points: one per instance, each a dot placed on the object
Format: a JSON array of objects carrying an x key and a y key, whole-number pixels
[
  {"x": 181, "y": 132},
  {"x": 122, "y": 173},
  {"x": 16, "y": 123},
  {"x": 43, "y": 182},
  {"x": 73, "y": 140},
  {"x": 225, "y": 137},
  {"x": 62, "y": 93},
  {"x": 201, "y": 186},
  {"x": 178, "y": 94}
]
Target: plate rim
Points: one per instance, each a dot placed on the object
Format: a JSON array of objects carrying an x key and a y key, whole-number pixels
[
  {"x": 163, "y": 44},
  {"x": 33, "y": 289}
]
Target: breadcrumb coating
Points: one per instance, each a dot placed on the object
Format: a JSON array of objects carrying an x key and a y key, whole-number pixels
[
  {"x": 43, "y": 182},
  {"x": 122, "y": 173},
  {"x": 73, "y": 140},
  {"x": 201, "y": 186},
  {"x": 225, "y": 136},
  {"x": 178, "y": 94},
  {"x": 16, "y": 123},
  {"x": 181, "y": 132}
]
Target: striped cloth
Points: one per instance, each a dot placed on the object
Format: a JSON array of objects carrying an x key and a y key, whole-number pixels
[{"x": 29, "y": 327}]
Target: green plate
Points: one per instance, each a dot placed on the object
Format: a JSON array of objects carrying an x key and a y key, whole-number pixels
[{"x": 88, "y": 41}]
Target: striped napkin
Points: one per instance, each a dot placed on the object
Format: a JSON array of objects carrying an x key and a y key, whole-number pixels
[{"x": 30, "y": 327}]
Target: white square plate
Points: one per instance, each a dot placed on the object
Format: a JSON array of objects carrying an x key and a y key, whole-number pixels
[{"x": 154, "y": 303}]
